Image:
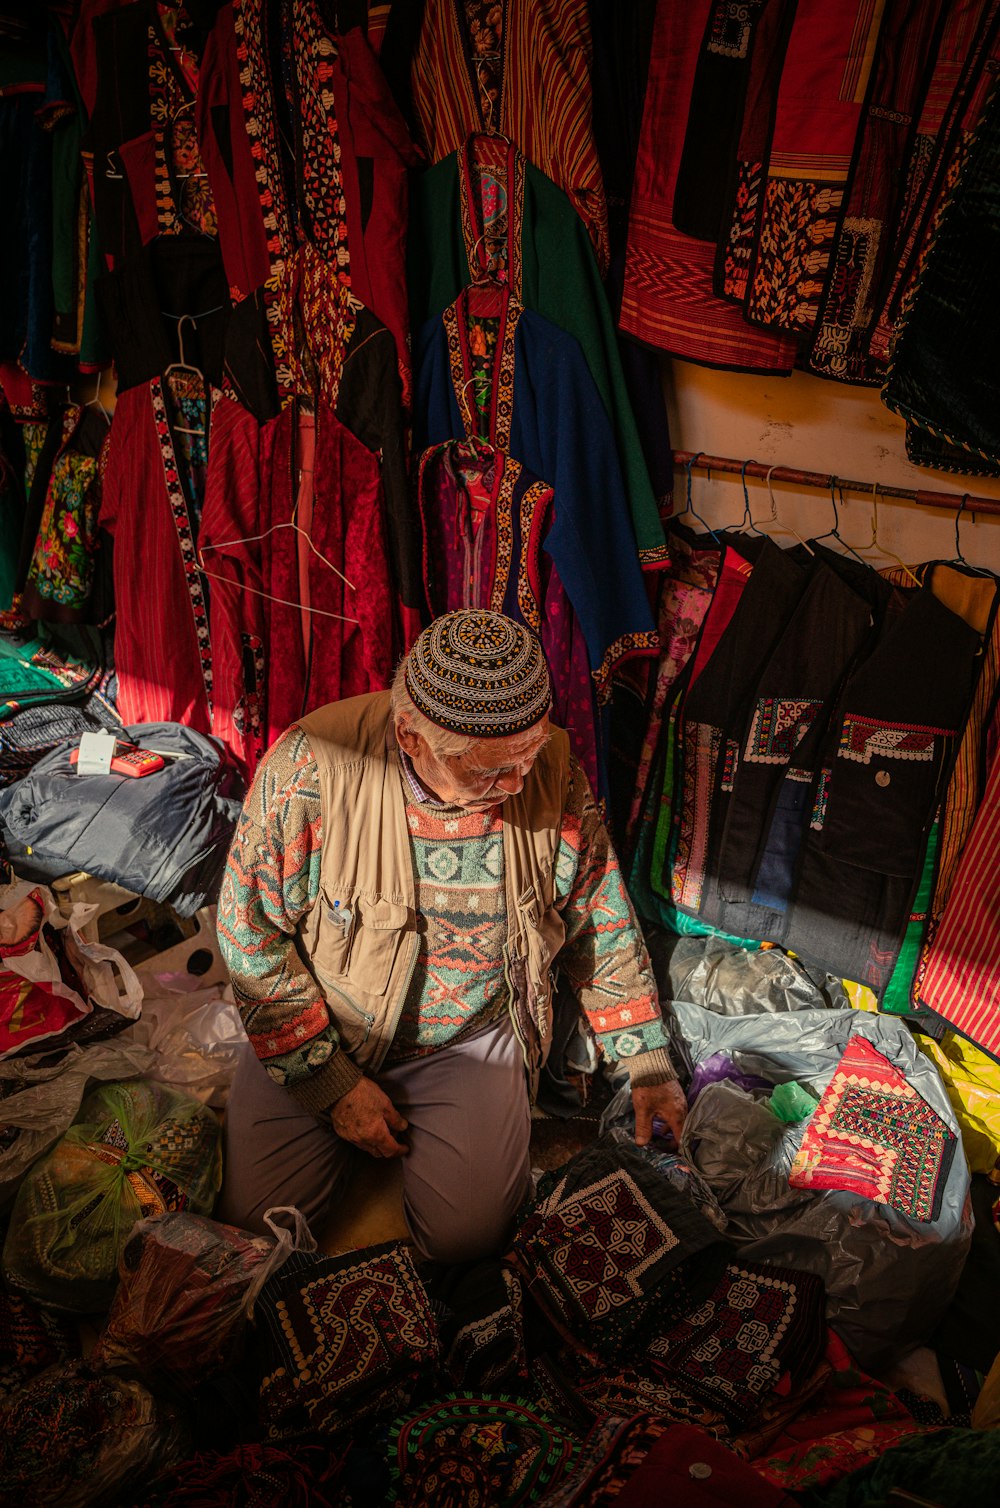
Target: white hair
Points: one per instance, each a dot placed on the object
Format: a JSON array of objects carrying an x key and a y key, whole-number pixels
[{"x": 440, "y": 741}]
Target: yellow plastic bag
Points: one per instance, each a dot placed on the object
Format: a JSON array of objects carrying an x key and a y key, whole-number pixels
[
  {"x": 972, "y": 1080},
  {"x": 860, "y": 996}
]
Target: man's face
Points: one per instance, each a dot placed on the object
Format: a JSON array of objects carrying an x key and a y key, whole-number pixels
[{"x": 490, "y": 770}]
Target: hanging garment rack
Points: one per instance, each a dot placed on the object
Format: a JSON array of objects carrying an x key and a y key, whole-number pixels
[{"x": 951, "y": 501}]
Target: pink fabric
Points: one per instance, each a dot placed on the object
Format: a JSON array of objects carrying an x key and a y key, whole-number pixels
[{"x": 734, "y": 574}]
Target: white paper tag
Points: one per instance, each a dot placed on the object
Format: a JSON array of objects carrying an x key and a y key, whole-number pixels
[{"x": 96, "y": 753}]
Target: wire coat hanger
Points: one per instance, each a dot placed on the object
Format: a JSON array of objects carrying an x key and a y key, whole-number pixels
[
  {"x": 97, "y": 402},
  {"x": 248, "y": 539},
  {"x": 186, "y": 366},
  {"x": 747, "y": 525},
  {"x": 780, "y": 521},
  {"x": 877, "y": 545},
  {"x": 689, "y": 506},
  {"x": 834, "y": 533},
  {"x": 959, "y": 558}
]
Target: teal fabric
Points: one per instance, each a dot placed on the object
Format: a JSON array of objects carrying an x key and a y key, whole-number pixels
[{"x": 21, "y": 682}]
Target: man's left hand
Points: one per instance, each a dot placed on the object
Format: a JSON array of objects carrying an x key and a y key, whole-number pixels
[{"x": 667, "y": 1101}]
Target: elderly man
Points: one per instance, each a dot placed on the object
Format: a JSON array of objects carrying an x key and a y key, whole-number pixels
[{"x": 409, "y": 869}]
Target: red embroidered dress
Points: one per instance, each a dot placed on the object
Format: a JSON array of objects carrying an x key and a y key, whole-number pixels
[
  {"x": 180, "y": 637},
  {"x": 322, "y": 161},
  {"x": 485, "y": 521},
  {"x": 668, "y": 299}
]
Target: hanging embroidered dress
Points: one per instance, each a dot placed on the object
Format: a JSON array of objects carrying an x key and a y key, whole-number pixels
[
  {"x": 153, "y": 205},
  {"x": 861, "y": 253},
  {"x": 823, "y": 90},
  {"x": 328, "y": 601},
  {"x": 964, "y": 70},
  {"x": 302, "y": 142},
  {"x": 331, "y": 464},
  {"x": 791, "y": 700},
  {"x": 524, "y": 72},
  {"x": 179, "y": 638},
  {"x": 485, "y": 522},
  {"x": 741, "y": 200},
  {"x": 484, "y": 211},
  {"x": 891, "y": 745},
  {"x": 941, "y": 376},
  {"x": 488, "y": 367},
  {"x": 668, "y": 299}
]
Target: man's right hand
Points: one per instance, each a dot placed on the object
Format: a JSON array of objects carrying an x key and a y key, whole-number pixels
[{"x": 366, "y": 1116}]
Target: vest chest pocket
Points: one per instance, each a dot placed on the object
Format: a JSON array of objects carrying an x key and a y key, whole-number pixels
[
  {"x": 379, "y": 927},
  {"x": 336, "y": 934},
  {"x": 544, "y": 933}
]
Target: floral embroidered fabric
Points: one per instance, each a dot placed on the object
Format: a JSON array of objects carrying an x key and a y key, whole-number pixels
[{"x": 471, "y": 1449}]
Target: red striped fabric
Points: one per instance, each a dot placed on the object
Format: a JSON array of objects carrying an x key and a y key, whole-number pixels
[
  {"x": 962, "y": 980},
  {"x": 546, "y": 103}
]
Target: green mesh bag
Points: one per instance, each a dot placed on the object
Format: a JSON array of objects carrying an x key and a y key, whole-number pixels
[{"x": 136, "y": 1149}]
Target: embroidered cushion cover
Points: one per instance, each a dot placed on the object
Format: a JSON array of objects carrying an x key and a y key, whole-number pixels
[
  {"x": 760, "y": 1325},
  {"x": 343, "y": 1337},
  {"x": 610, "y": 1248},
  {"x": 872, "y": 1134}
]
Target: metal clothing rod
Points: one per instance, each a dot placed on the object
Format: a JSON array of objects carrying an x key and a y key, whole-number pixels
[{"x": 825, "y": 481}]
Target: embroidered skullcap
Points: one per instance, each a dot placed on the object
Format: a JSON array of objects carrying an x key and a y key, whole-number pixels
[{"x": 479, "y": 673}]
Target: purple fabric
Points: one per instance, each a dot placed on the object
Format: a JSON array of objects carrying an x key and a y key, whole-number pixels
[{"x": 721, "y": 1066}]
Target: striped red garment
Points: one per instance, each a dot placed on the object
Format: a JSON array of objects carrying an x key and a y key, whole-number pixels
[
  {"x": 546, "y": 101},
  {"x": 962, "y": 980}
]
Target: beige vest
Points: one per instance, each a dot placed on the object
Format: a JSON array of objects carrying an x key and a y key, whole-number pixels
[{"x": 360, "y": 939}]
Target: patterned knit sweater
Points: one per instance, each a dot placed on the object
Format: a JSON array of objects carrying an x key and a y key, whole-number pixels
[{"x": 272, "y": 881}]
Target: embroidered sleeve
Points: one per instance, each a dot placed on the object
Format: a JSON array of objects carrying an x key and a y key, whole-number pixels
[
  {"x": 604, "y": 955},
  {"x": 271, "y": 881}
]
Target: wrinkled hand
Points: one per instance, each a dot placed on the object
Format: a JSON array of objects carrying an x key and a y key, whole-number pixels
[
  {"x": 665, "y": 1100},
  {"x": 366, "y": 1116}
]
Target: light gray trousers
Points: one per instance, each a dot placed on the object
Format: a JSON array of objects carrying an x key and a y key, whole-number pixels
[{"x": 464, "y": 1176}]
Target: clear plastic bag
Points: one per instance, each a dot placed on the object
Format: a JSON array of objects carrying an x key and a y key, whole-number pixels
[
  {"x": 39, "y": 1099},
  {"x": 136, "y": 1149},
  {"x": 186, "y": 1286},
  {"x": 85, "y": 1441},
  {"x": 197, "y": 1036}
]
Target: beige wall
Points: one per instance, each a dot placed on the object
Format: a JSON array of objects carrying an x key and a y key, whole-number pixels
[{"x": 814, "y": 425}]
